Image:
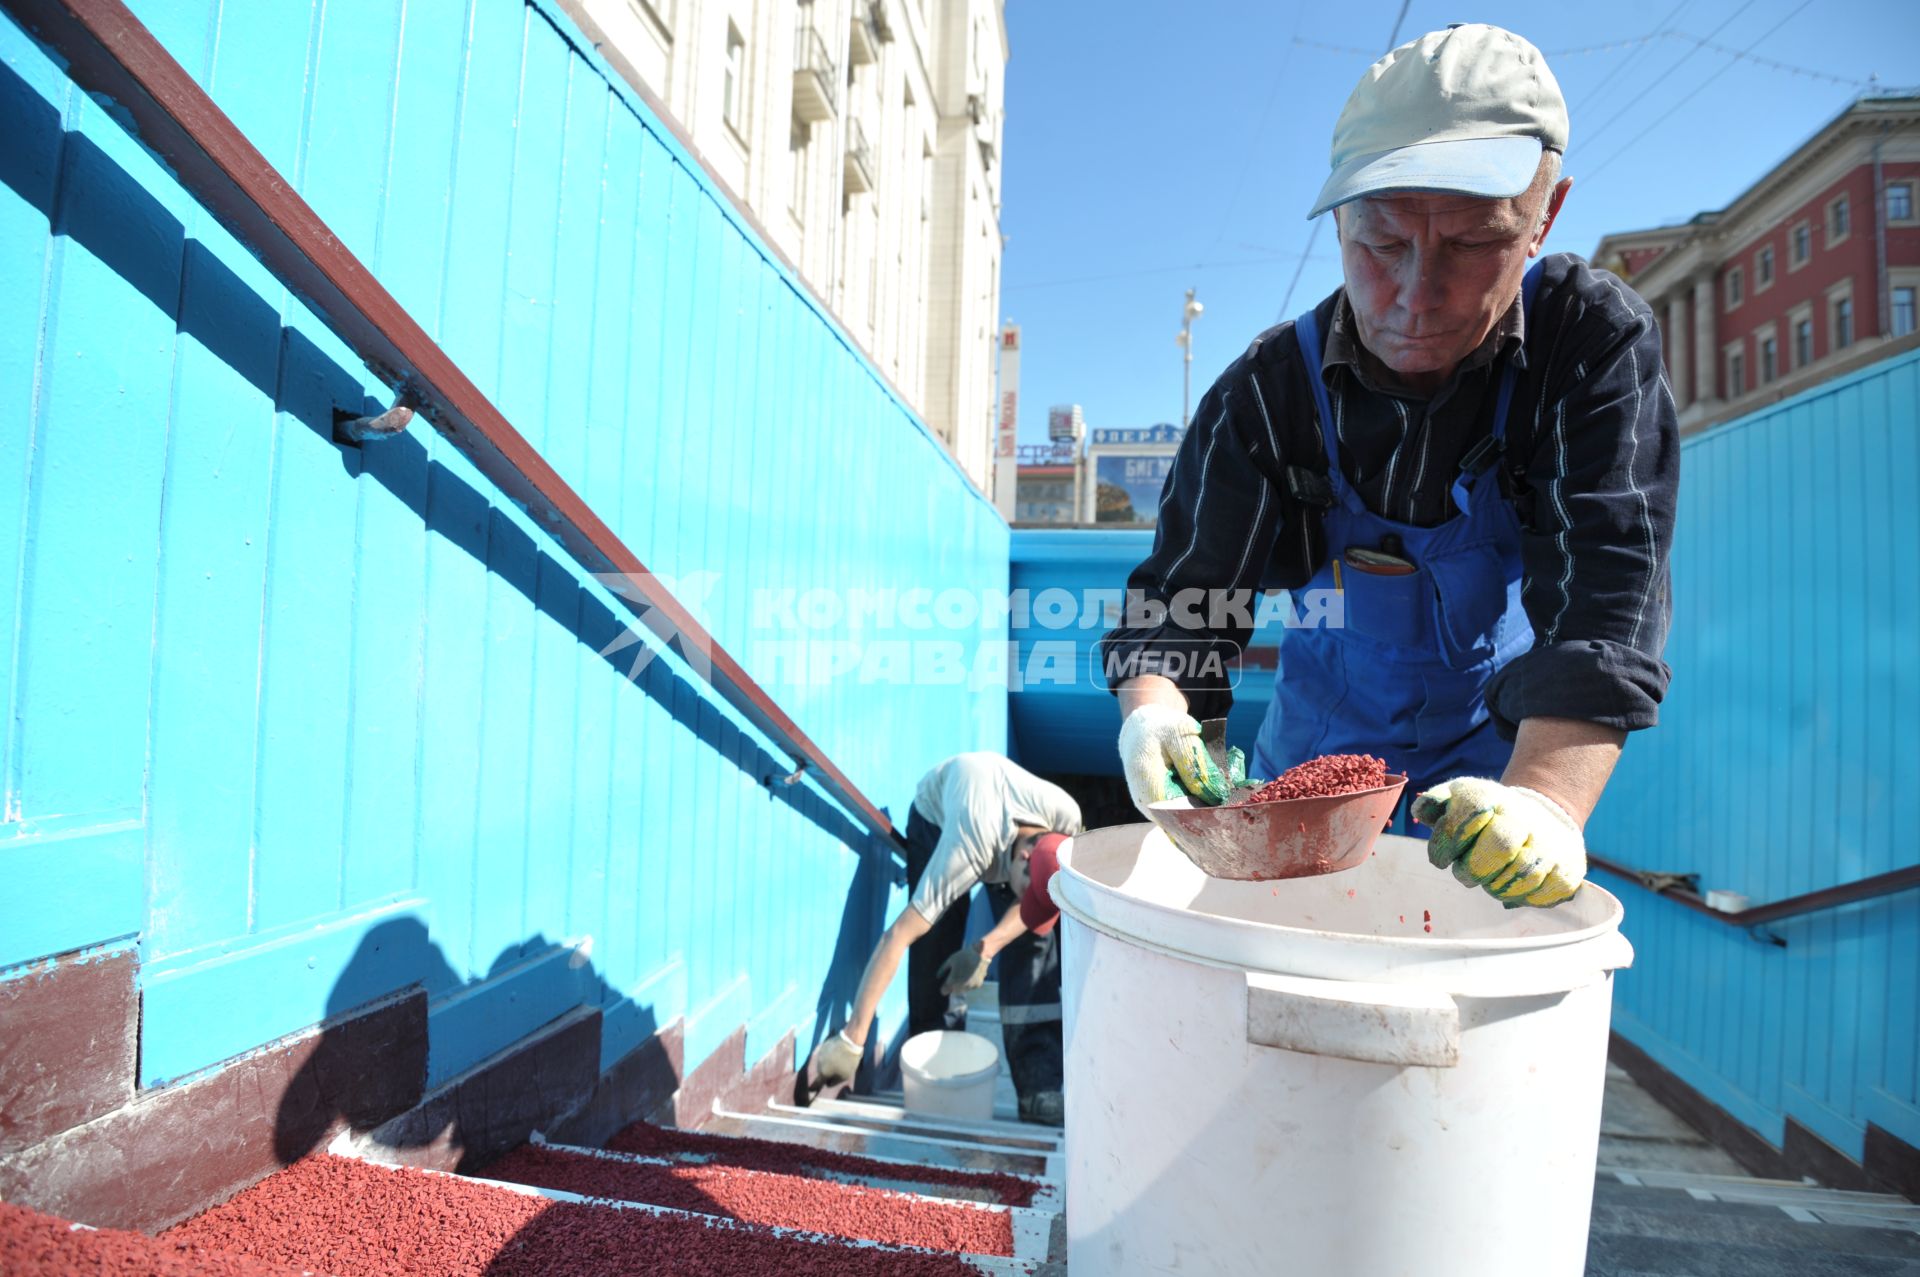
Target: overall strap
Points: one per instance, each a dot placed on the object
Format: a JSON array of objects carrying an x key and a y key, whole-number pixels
[
  {"x": 1306, "y": 331},
  {"x": 1483, "y": 455}
]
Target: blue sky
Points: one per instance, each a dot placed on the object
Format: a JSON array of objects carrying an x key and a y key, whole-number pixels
[{"x": 1153, "y": 147}]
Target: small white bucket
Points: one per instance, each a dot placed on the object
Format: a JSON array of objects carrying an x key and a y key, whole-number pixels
[{"x": 949, "y": 1074}]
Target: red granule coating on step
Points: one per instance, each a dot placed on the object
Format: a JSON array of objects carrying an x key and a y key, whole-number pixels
[
  {"x": 765, "y": 1197},
  {"x": 1323, "y": 777},
  {"x": 750, "y": 1153},
  {"x": 348, "y": 1218},
  {"x": 36, "y": 1245}
]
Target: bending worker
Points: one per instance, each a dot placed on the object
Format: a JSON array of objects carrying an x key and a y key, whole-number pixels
[
  {"x": 976, "y": 818},
  {"x": 1478, "y": 458}
]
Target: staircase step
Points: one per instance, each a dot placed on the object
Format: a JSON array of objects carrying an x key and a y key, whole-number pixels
[
  {"x": 33, "y": 1244},
  {"x": 789, "y": 1155},
  {"x": 1613, "y": 1255},
  {"x": 808, "y": 1203},
  {"x": 1006, "y": 1103},
  {"x": 327, "y": 1213},
  {"x": 909, "y": 1148},
  {"x": 891, "y": 1119},
  {"x": 1770, "y": 1192},
  {"x": 1720, "y": 1224}
]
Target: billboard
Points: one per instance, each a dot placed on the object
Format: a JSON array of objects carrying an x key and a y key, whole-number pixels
[{"x": 1127, "y": 488}]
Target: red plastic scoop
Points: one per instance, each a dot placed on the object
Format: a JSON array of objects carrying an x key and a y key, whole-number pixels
[{"x": 1289, "y": 838}]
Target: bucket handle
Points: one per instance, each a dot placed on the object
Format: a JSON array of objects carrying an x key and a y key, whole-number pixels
[{"x": 1377, "y": 1023}]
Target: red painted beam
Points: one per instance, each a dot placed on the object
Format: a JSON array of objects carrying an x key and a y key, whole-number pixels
[{"x": 108, "y": 51}]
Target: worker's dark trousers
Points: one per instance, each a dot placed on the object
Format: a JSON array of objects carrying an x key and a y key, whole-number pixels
[
  {"x": 1029, "y": 977},
  {"x": 928, "y": 1008}
]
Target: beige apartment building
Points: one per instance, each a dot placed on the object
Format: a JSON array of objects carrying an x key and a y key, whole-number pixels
[{"x": 863, "y": 137}]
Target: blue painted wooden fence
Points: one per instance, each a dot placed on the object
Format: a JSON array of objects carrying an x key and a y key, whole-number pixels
[
  {"x": 309, "y": 723},
  {"x": 1787, "y": 760},
  {"x": 1068, "y": 589}
]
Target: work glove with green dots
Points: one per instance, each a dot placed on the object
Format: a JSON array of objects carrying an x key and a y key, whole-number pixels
[
  {"x": 1519, "y": 845},
  {"x": 1164, "y": 757}
]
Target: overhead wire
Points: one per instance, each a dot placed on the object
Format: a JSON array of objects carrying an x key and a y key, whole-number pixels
[
  {"x": 1638, "y": 100},
  {"x": 1698, "y": 89},
  {"x": 1313, "y": 235}
]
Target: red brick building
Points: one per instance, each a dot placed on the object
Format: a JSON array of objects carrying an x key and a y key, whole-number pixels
[{"x": 1813, "y": 271}]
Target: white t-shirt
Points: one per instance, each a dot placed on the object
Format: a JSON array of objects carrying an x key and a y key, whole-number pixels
[{"x": 977, "y": 800}]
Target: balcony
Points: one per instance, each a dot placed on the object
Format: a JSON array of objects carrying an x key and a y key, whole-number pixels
[
  {"x": 863, "y": 43},
  {"x": 859, "y": 160},
  {"x": 877, "y": 15},
  {"x": 814, "y": 74}
]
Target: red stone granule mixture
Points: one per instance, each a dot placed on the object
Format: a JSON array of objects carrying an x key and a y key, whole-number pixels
[
  {"x": 1323, "y": 777},
  {"x": 36, "y": 1245},
  {"x": 763, "y": 1197},
  {"x": 750, "y": 1153},
  {"x": 347, "y": 1218}
]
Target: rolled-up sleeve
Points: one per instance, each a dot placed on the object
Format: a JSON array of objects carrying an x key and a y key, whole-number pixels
[
  {"x": 1598, "y": 527},
  {"x": 1189, "y": 606}
]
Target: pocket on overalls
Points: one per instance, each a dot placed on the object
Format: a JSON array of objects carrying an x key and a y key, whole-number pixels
[
  {"x": 1472, "y": 596},
  {"x": 1393, "y": 608}
]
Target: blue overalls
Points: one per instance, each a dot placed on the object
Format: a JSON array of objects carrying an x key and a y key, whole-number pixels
[{"x": 1405, "y": 677}]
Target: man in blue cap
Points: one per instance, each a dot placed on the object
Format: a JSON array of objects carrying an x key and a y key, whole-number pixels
[{"x": 1476, "y": 459}]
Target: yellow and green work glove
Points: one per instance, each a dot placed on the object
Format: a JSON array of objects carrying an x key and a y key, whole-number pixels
[
  {"x": 1517, "y": 843},
  {"x": 1164, "y": 757}
]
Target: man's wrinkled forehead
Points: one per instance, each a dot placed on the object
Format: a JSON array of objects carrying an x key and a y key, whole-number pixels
[{"x": 1449, "y": 214}]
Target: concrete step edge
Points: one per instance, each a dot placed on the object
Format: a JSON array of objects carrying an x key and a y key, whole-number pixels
[{"x": 1052, "y": 1164}]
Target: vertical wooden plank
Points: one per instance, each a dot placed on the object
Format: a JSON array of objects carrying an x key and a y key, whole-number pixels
[
  {"x": 306, "y": 642},
  {"x": 213, "y": 558},
  {"x": 350, "y": 119},
  {"x": 427, "y": 95},
  {"x": 1903, "y": 469},
  {"x": 87, "y": 593},
  {"x": 677, "y": 828},
  {"x": 1877, "y": 727},
  {"x": 33, "y": 99},
  {"x": 349, "y": 145},
  {"x": 483, "y": 178},
  {"x": 506, "y": 723},
  {"x": 261, "y": 72},
  {"x": 527, "y": 303}
]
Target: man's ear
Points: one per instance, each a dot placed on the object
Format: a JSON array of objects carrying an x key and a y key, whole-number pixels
[{"x": 1556, "y": 199}]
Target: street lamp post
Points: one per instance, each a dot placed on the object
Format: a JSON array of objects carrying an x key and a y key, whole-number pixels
[{"x": 1187, "y": 316}]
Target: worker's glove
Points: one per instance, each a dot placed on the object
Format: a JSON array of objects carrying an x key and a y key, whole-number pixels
[
  {"x": 836, "y": 1060},
  {"x": 1161, "y": 751},
  {"x": 1519, "y": 844},
  {"x": 966, "y": 969}
]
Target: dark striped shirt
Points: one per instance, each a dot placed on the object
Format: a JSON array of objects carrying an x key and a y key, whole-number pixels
[{"x": 1592, "y": 464}]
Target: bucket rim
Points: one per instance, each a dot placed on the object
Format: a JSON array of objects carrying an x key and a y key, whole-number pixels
[
  {"x": 955, "y": 1081},
  {"x": 1420, "y": 945}
]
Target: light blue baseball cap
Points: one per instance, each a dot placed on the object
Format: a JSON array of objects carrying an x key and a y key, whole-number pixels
[{"x": 1468, "y": 110}]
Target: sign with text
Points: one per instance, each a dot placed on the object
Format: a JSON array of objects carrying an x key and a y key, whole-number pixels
[{"x": 1127, "y": 488}]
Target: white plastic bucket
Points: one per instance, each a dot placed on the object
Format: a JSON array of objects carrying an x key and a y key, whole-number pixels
[
  {"x": 1300, "y": 1077},
  {"x": 946, "y": 1074}
]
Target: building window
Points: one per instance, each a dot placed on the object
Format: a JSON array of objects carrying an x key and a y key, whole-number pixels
[
  {"x": 1769, "y": 359},
  {"x": 1903, "y": 311},
  {"x": 1842, "y": 322},
  {"x": 1736, "y": 374},
  {"x": 1763, "y": 267},
  {"x": 733, "y": 82},
  {"x": 1799, "y": 245},
  {"x": 1900, "y": 201},
  {"x": 1803, "y": 341},
  {"x": 1839, "y": 220},
  {"x": 1736, "y": 286}
]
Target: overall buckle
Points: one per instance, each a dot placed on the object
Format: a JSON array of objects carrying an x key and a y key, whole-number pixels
[
  {"x": 1481, "y": 457},
  {"x": 1309, "y": 488}
]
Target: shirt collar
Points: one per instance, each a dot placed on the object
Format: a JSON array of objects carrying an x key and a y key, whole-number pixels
[{"x": 1344, "y": 348}]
